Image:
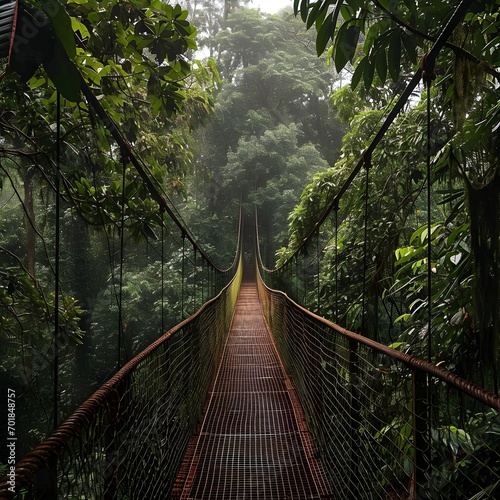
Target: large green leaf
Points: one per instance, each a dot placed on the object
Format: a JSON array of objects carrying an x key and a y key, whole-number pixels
[
  {"x": 368, "y": 74},
  {"x": 63, "y": 73},
  {"x": 380, "y": 60},
  {"x": 325, "y": 33},
  {"x": 410, "y": 46},
  {"x": 61, "y": 23},
  {"x": 358, "y": 72},
  {"x": 346, "y": 43},
  {"x": 394, "y": 54},
  {"x": 370, "y": 37},
  {"x": 313, "y": 15},
  {"x": 304, "y": 7},
  {"x": 327, "y": 30}
]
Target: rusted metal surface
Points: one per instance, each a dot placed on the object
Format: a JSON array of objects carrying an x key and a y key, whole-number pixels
[
  {"x": 253, "y": 442},
  {"x": 136, "y": 425},
  {"x": 415, "y": 364},
  {"x": 386, "y": 423}
]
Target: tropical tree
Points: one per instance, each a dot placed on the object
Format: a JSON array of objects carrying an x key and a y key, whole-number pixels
[
  {"x": 274, "y": 93},
  {"x": 134, "y": 57},
  {"x": 385, "y": 42},
  {"x": 209, "y": 17}
]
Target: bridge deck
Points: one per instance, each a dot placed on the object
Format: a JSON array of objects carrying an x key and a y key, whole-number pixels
[{"x": 252, "y": 442}]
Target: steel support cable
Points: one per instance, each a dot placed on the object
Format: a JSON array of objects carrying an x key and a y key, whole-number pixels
[
  {"x": 57, "y": 258},
  {"x": 183, "y": 272},
  {"x": 429, "y": 76},
  {"x": 155, "y": 193},
  {"x": 297, "y": 280},
  {"x": 202, "y": 280},
  {"x": 336, "y": 316},
  {"x": 162, "y": 275},
  {"x": 318, "y": 269},
  {"x": 122, "y": 247},
  {"x": 365, "y": 244},
  {"x": 52, "y": 463},
  {"x": 195, "y": 279},
  {"x": 304, "y": 277},
  {"x": 424, "y": 406},
  {"x": 428, "y": 63}
]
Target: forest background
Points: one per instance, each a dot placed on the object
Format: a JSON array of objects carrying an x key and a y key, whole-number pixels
[{"x": 226, "y": 103}]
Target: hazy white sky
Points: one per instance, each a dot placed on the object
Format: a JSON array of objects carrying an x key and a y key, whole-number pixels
[{"x": 271, "y": 6}]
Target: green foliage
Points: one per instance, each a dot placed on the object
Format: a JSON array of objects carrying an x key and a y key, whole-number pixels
[
  {"x": 143, "y": 78},
  {"x": 451, "y": 290},
  {"x": 134, "y": 56},
  {"x": 465, "y": 197},
  {"x": 271, "y": 111},
  {"x": 148, "y": 41},
  {"x": 470, "y": 452},
  {"x": 125, "y": 44},
  {"x": 28, "y": 312},
  {"x": 394, "y": 33},
  {"x": 209, "y": 17},
  {"x": 312, "y": 200},
  {"x": 269, "y": 170},
  {"x": 464, "y": 153}
]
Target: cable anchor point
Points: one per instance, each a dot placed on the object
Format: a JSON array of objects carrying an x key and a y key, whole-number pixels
[
  {"x": 367, "y": 158},
  {"x": 428, "y": 66}
]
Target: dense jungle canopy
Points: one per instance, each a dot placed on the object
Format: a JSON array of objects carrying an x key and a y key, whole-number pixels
[{"x": 223, "y": 102}]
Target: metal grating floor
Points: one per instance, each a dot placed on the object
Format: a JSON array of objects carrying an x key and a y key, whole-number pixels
[{"x": 252, "y": 443}]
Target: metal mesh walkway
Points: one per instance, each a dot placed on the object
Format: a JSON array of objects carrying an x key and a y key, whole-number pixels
[{"x": 253, "y": 443}]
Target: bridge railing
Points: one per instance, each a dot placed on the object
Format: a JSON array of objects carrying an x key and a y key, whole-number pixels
[
  {"x": 386, "y": 425},
  {"x": 127, "y": 440}
]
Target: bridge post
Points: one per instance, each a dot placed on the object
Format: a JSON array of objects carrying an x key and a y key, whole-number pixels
[
  {"x": 354, "y": 421},
  {"x": 419, "y": 488}
]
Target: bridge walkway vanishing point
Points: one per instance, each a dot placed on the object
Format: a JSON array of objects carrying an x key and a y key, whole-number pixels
[{"x": 253, "y": 442}]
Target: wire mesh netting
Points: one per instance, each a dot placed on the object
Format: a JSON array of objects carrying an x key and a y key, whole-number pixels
[
  {"x": 96, "y": 261},
  {"x": 127, "y": 440},
  {"x": 368, "y": 409},
  {"x": 251, "y": 443}
]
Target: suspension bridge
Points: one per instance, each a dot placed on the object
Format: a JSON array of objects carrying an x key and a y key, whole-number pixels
[{"x": 254, "y": 396}]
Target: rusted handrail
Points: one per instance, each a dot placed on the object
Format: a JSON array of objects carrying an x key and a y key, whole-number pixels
[
  {"x": 392, "y": 441},
  {"x": 93, "y": 452}
]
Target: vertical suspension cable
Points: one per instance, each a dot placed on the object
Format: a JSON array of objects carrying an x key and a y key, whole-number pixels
[
  {"x": 122, "y": 244},
  {"x": 428, "y": 75},
  {"x": 162, "y": 275},
  {"x": 209, "y": 284},
  {"x": 367, "y": 163},
  {"x": 183, "y": 273},
  {"x": 208, "y": 296},
  {"x": 57, "y": 257},
  {"x": 336, "y": 316},
  {"x": 297, "y": 277},
  {"x": 195, "y": 279},
  {"x": 202, "y": 280},
  {"x": 304, "y": 274},
  {"x": 318, "y": 268},
  {"x": 428, "y": 81}
]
